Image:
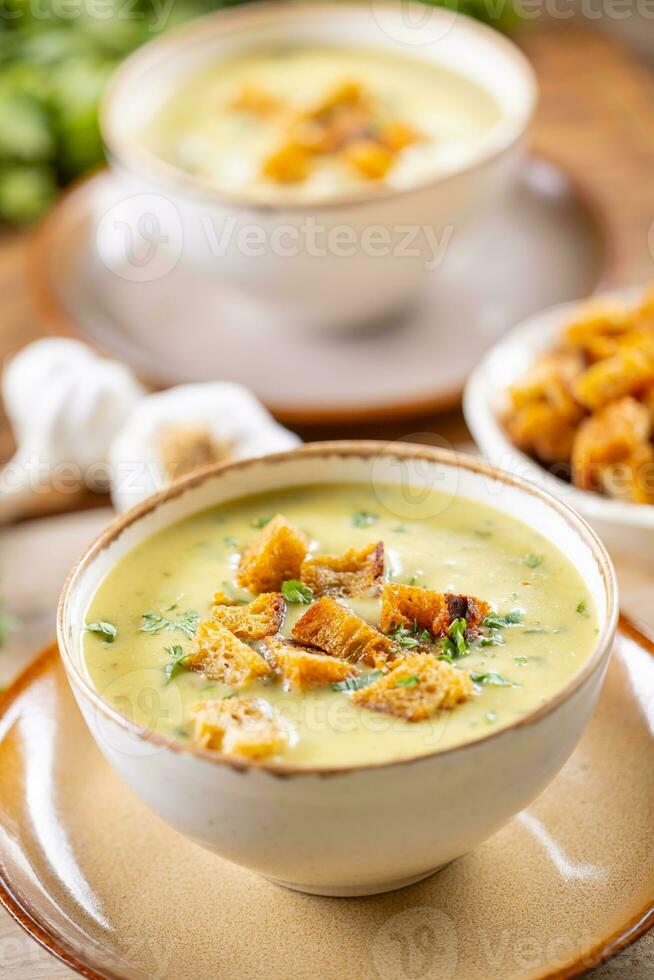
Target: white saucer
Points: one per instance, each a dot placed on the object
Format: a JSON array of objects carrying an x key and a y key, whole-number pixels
[{"x": 543, "y": 245}]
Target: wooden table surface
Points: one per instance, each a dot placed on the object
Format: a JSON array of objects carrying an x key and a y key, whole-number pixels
[{"x": 596, "y": 117}]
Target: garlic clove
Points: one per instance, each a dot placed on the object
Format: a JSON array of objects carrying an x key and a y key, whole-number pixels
[
  {"x": 65, "y": 403},
  {"x": 175, "y": 432}
]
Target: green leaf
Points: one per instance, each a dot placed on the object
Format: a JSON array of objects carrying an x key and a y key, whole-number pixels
[
  {"x": 185, "y": 622},
  {"x": 356, "y": 683},
  {"x": 494, "y": 640},
  {"x": 107, "y": 631},
  {"x": 455, "y": 645},
  {"x": 177, "y": 655},
  {"x": 495, "y": 621},
  {"x": 412, "y": 681},
  {"x": 297, "y": 592},
  {"x": 260, "y": 522},
  {"x": 363, "y": 519},
  {"x": 521, "y": 661},
  {"x": 581, "y": 607},
  {"x": 490, "y": 679},
  {"x": 532, "y": 561}
]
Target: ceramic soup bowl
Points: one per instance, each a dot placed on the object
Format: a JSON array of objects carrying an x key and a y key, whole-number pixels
[
  {"x": 346, "y": 831},
  {"x": 357, "y": 278}
]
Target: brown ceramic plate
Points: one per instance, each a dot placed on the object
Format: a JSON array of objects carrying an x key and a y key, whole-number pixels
[
  {"x": 546, "y": 243},
  {"x": 94, "y": 877}
]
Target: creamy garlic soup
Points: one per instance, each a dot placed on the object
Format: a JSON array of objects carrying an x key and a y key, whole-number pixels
[
  {"x": 539, "y": 627},
  {"x": 320, "y": 121}
]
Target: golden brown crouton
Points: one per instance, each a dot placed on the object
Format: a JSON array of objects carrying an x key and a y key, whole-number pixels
[
  {"x": 288, "y": 165},
  {"x": 424, "y": 609},
  {"x": 275, "y": 555},
  {"x": 397, "y": 135},
  {"x": 221, "y": 656},
  {"x": 609, "y": 436},
  {"x": 256, "y": 101},
  {"x": 632, "y": 479},
  {"x": 416, "y": 688},
  {"x": 371, "y": 159},
  {"x": 626, "y": 373},
  {"x": 261, "y": 617},
  {"x": 302, "y": 668},
  {"x": 338, "y": 631},
  {"x": 357, "y": 572},
  {"x": 245, "y": 727}
]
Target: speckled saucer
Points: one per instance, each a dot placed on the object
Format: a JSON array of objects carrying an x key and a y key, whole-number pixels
[{"x": 94, "y": 877}]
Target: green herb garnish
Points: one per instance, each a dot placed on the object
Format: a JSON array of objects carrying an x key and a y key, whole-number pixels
[
  {"x": 410, "y": 638},
  {"x": 356, "y": 683},
  {"x": 260, "y": 522},
  {"x": 363, "y": 519},
  {"x": 107, "y": 631},
  {"x": 532, "y": 561},
  {"x": 494, "y": 640},
  {"x": 230, "y": 541},
  {"x": 177, "y": 656},
  {"x": 490, "y": 679},
  {"x": 494, "y": 621},
  {"x": 412, "y": 681},
  {"x": 294, "y": 591},
  {"x": 521, "y": 661},
  {"x": 186, "y": 622},
  {"x": 581, "y": 608},
  {"x": 454, "y": 645}
]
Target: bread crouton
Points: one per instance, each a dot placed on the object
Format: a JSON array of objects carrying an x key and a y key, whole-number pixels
[
  {"x": 302, "y": 668},
  {"x": 416, "y": 688},
  {"x": 338, "y": 631},
  {"x": 275, "y": 555},
  {"x": 424, "y": 609},
  {"x": 632, "y": 479},
  {"x": 261, "y": 617},
  {"x": 357, "y": 572},
  {"x": 245, "y": 727},
  {"x": 609, "y": 436},
  {"x": 627, "y": 372},
  {"x": 221, "y": 656}
]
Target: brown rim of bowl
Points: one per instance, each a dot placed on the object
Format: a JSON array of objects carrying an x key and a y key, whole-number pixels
[
  {"x": 44, "y": 935},
  {"x": 137, "y": 160},
  {"x": 54, "y": 316},
  {"x": 350, "y": 450}
]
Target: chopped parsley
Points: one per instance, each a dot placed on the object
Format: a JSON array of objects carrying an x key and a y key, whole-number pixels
[
  {"x": 494, "y": 621},
  {"x": 532, "y": 561},
  {"x": 356, "y": 683},
  {"x": 494, "y": 640},
  {"x": 185, "y": 622},
  {"x": 454, "y": 645},
  {"x": 260, "y": 522},
  {"x": 363, "y": 519},
  {"x": 107, "y": 631},
  {"x": 294, "y": 591},
  {"x": 490, "y": 679},
  {"x": 230, "y": 541},
  {"x": 412, "y": 681},
  {"x": 521, "y": 661},
  {"x": 410, "y": 638},
  {"x": 177, "y": 656},
  {"x": 581, "y": 607}
]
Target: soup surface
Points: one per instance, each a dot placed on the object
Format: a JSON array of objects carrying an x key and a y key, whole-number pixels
[
  {"x": 320, "y": 121},
  {"x": 154, "y": 597}
]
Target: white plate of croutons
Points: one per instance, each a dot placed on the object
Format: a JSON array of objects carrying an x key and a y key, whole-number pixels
[{"x": 566, "y": 399}]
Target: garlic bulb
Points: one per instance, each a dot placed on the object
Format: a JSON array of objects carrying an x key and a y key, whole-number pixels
[
  {"x": 180, "y": 430},
  {"x": 65, "y": 404}
]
